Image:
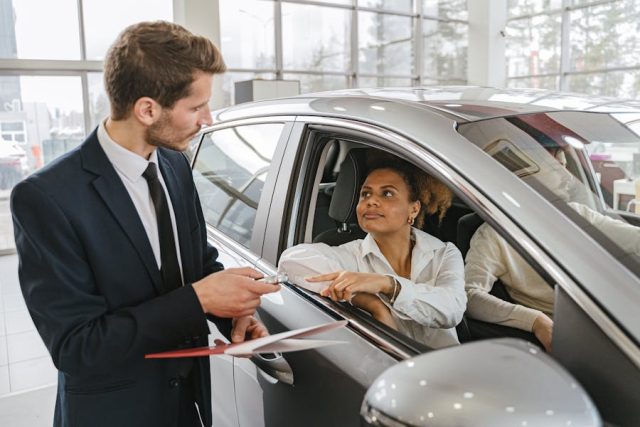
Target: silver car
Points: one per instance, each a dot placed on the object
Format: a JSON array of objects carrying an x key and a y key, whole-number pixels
[{"x": 273, "y": 174}]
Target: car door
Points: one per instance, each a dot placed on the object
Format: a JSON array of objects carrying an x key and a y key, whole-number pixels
[
  {"x": 328, "y": 384},
  {"x": 233, "y": 174}
]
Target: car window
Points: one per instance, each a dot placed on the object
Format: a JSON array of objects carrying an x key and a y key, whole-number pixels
[
  {"x": 336, "y": 247},
  {"x": 583, "y": 163},
  {"x": 230, "y": 171}
]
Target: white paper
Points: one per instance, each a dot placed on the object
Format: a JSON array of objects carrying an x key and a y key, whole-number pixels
[
  {"x": 286, "y": 345},
  {"x": 304, "y": 263},
  {"x": 286, "y": 341}
]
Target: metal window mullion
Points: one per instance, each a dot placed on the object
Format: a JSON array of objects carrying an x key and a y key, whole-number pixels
[
  {"x": 573, "y": 73},
  {"x": 55, "y": 65},
  {"x": 84, "y": 78},
  {"x": 605, "y": 70},
  {"x": 318, "y": 3},
  {"x": 355, "y": 48},
  {"x": 528, "y": 76},
  {"x": 252, "y": 70},
  {"x": 387, "y": 76},
  {"x": 277, "y": 19},
  {"x": 565, "y": 45},
  {"x": 83, "y": 47},
  {"x": 417, "y": 44},
  {"x": 385, "y": 11},
  {"x": 317, "y": 72}
]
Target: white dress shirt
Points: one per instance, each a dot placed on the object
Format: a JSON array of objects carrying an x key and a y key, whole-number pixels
[
  {"x": 490, "y": 258},
  {"x": 431, "y": 302},
  {"x": 130, "y": 167}
]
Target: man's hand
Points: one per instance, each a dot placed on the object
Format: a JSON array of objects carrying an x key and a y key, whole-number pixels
[
  {"x": 233, "y": 292},
  {"x": 247, "y": 327},
  {"x": 543, "y": 330}
]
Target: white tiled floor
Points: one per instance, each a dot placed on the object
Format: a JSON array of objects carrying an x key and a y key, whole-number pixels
[
  {"x": 27, "y": 375},
  {"x": 30, "y": 409},
  {"x": 4, "y": 380}
]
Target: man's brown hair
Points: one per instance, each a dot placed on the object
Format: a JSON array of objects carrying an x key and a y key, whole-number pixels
[{"x": 156, "y": 59}]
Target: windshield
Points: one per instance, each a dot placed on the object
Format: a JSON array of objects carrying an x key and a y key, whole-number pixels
[{"x": 585, "y": 163}]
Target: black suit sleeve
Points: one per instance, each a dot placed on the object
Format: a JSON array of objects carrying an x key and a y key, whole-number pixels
[{"x": 67, "y": 307}]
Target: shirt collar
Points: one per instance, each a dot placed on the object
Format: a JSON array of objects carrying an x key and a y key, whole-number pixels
[
  {"x": 425, "y": 244},
  {"x": 126, "y": 162}
]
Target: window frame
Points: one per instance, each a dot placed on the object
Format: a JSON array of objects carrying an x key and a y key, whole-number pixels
[
  {"x": 417, "y": 74},
  {"x": 266, "y": 197},
  {"x": 564, "y": 73}
]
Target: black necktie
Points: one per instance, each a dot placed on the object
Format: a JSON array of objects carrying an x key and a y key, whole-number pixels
[{"x": 170, "y": 269}]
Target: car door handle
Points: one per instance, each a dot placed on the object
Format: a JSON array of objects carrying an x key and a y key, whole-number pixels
[{"x": 274, "y": 365}]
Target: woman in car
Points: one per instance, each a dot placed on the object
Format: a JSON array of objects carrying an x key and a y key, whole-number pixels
[{"x": 404, "y": 277}]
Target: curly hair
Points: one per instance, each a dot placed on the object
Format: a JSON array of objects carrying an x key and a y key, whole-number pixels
[{"x": 434, "y": 196}]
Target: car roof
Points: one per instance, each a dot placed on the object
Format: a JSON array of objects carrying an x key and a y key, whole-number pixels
[{"x": 459, "y": 103}]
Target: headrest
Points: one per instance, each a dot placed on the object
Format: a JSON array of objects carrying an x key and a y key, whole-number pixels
[
  {"x": 330, "y": 162},
  {"x": 467, "y": 226},
  {"x": 347, "y": 190}
]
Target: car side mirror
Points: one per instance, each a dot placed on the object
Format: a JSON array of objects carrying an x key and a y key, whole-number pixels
[{"x": 501, "y": 382}]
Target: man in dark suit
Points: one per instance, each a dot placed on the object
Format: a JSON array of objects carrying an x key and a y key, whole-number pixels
[{"x": 114, "y": 261}]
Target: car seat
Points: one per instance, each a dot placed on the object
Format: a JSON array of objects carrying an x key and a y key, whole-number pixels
[
  {"x": 321, "y": 219},
  {"x": 342, "y": 208}
]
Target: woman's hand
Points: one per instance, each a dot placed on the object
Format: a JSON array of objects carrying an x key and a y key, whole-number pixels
[
  {"x": 344, "y": 284},
  {"x": 374, "y": 305},
  {"x": 543, "y": 329}
]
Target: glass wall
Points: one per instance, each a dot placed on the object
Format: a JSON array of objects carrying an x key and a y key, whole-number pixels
[
  {"x": 345, "y": 43},
  {"x": 584, "y": 46},
  {"x": 51, "y": 90}
]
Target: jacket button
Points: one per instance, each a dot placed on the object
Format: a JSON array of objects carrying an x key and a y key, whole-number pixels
[{"x": 173, "y": 382}]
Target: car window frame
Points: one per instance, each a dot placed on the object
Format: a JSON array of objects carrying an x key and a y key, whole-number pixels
[
  {"x": 266, "y": 197},
  {"x": 425, "y": 158}
]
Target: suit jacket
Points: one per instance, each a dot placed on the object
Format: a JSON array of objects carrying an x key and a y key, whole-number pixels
[{"x": 93, "y": 288}]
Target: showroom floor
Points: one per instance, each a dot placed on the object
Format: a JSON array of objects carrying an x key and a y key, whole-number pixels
[{"x": 27, "y": 375}]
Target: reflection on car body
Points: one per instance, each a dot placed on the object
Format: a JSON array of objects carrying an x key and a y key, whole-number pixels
[{"x": 266, "y": 174}]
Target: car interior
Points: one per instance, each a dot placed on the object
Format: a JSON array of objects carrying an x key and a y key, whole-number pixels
[{"x": 341, "y": 172}]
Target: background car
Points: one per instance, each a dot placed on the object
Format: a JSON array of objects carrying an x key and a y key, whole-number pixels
[
  {"x": 13, "y": 164},
  {"x": 271, "y": 175}
]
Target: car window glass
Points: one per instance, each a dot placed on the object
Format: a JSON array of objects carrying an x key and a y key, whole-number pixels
[
  {"x": 340, "y": 246},
  {"x": 587, "y": 164},
  {"x": 230, "y": 172}
]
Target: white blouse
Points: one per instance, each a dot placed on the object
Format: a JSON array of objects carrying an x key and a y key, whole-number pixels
[{"x": 430, "y": 304}]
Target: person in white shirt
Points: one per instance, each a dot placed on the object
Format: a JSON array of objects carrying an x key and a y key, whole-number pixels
[
  {"x": 404, "y": 277},
  {"x": 491, "y": 258}
]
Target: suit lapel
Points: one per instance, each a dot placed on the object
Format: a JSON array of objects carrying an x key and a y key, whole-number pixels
[
  {"x": 113, "y": 192},
  {"x": 180, "y": 211}
]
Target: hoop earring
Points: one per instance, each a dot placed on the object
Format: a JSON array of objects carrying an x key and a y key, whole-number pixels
[{"x": 411, "y": 220}]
